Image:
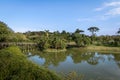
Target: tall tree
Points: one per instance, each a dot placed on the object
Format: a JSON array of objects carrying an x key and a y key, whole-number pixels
[{"x": 93, "y": 30}]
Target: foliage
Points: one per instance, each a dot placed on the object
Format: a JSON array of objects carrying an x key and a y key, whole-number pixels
[
  {"x": 81, "y": 39},
  {"x": 15, "y": 66},
  {"x": 18, "y": 37},
  {"x": 108, "y": 40},
  {"x": 43, "y": 43},
  {"x": 5, "y": 32},
  {"x": 53, "y": 41}
]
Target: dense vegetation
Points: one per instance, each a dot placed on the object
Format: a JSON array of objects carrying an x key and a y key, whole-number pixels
[{"x": 15, "y": 66}]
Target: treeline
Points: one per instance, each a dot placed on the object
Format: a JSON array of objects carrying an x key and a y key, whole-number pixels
[{"x": 59, "y": 40}]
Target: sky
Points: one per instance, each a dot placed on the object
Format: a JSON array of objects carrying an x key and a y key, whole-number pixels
[{"x": 53, "y": 15}]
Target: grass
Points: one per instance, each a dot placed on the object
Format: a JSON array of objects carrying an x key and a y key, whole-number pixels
[
  {"x": 15, "y": 66},
  {"x": 103, "y": 49},
  {"x": 55, "y": 50}
]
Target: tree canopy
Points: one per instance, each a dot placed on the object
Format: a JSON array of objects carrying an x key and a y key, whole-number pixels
[{"x": 93, "y": 30}]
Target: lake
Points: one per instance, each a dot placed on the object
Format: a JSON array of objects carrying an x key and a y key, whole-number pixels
[{"x": 92, "y": 65}]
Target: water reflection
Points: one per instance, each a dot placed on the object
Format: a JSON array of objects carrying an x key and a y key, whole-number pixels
[
  {"x": 51, "y": 58},
  {"x": 94, "y": 65}
]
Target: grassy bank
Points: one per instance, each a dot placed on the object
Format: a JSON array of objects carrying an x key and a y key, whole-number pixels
[
  {"x": 103, "y": 49},
  {"x": 55, "y": 50},
  {"x": 15, "y": 66}
]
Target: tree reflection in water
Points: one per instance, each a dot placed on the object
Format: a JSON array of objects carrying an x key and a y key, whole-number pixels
[{"x": 78, "y": 56}]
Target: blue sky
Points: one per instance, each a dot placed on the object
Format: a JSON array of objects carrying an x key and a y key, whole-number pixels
[{"x": 53, "y": 15}]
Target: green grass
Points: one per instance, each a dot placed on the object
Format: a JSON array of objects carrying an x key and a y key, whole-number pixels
[
  {"x": 55, "y": 50},
  {"x": 15, "y": 66},
  {"x": 103, "y": 49}
]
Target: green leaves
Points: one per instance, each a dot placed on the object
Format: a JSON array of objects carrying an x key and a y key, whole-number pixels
[
  {"x": 81, "y": 39},
  {"x": 53, "y": 41}
]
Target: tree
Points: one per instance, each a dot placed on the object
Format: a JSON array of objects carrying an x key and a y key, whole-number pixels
[
  {"x": 81, "y": 39},
  {"x": 63, "y": 32},
  {"x": 79, "y": 31},
  {"x": 93, "y": 30},
  {"x": 118, "y": 31}
]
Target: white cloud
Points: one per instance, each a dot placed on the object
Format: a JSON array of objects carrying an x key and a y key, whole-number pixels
[
  {"x": 117, "y": 3},
  {"x": 84, "y": 19},
  {"x": 114, "y": 11},
  {"x": 93, "y": 19},
  {"x": 107, "y": 5},
  {"x": 99, "y": 9},
  {"x": 110, "y": 9}
]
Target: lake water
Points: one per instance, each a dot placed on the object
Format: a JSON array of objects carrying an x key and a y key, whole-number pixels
[{"x": 92, "y": 65}]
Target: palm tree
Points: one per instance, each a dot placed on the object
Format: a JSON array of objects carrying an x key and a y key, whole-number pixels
[{"x": 93, "y": 30}]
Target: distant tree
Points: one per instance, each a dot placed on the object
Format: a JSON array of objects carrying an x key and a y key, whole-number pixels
[
  {"x": 63, "y": 32},
  {"x": 44, "y": 42},
  {"x": 58, "y": 43},
  {"x": 118, "y": 31},
  {"x": 18, "y": 37},
  {"x": 81, "y": 39},
  {"x": 93, "y": 30},
  {"x": 47, "y": 33},
  {"x": 79, "y": 31}
]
